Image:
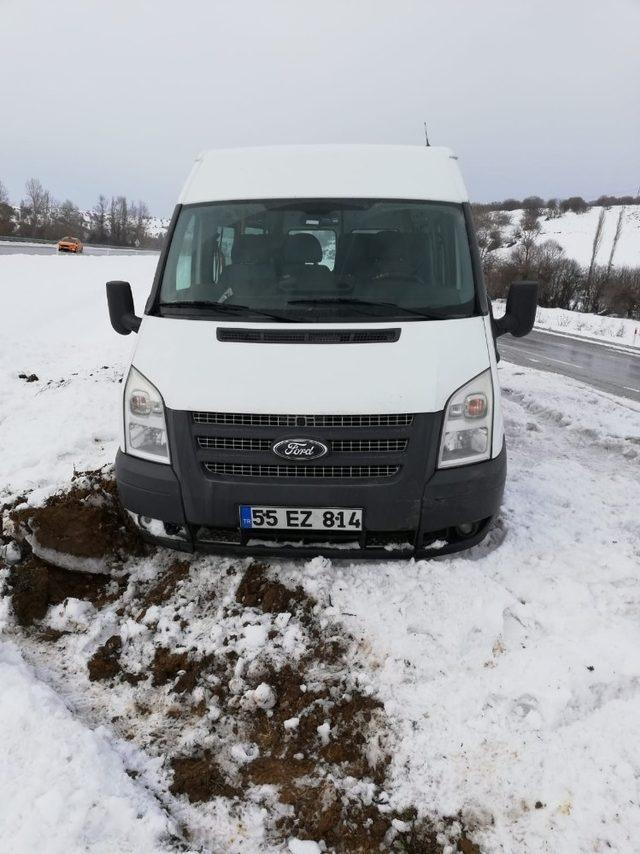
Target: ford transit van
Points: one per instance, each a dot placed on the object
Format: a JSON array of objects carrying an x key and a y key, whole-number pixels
[{"x": 315, "y": 370}]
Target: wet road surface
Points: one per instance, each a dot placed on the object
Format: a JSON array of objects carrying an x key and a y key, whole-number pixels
[
  {"x": 603, "y": 367},
  {"x": 7, "y": 248}
]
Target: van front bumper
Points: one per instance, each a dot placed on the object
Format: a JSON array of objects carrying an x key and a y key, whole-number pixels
[{"x": 454, "y": 512}]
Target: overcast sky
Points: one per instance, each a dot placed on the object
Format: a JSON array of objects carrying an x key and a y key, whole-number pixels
[{"x": 118, "y": 96}]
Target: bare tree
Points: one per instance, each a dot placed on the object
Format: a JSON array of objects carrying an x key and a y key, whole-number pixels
[
  {"x": 594, "y": 283},
  {"x": 575, "y": 204},
  {"x": 616, "y": 238},
  {"x": 99, "y": 225},
  {"x": 118, "y": 220},
  {"x": 6, "y": 212},
  {"x": 482, "y": 222},
  {"x": 528, "y": 232},
  {"x": 69, "y": 219},
  {"x": 139, "y": 215},
  {"x": 35, "y": 209}
]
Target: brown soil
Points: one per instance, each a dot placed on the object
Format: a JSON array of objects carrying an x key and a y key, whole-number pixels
[
  {"x": 36, "y": 585},
  {"x": 466, "y": 846},
  {"x": 105, "y": 662},
  {"x": 177, "y": 667},
  {"x": 309, "y": 776},
  {"x": 256, "y": 590},
  {"x": 199, "y": 778},
  {"x": 86, "y": 521},
  {"x": 165, "y": 586}
]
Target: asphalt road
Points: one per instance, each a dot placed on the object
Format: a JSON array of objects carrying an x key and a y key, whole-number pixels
[
  {"x": 7, "y": 248},
  {"x": 603, "y": 367}
]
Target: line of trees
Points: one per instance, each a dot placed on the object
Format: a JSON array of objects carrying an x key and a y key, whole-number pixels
[
  {"x": 555, "y": 207},
  {"x": 599, "y": 288},
  {"x": 114, "y": 222}
]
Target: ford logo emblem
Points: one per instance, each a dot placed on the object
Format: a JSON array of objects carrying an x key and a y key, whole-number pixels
[{"x": 299, "y": 449}]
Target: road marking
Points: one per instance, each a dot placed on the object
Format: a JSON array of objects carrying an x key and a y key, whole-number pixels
[
  {"x": 630, "y": 388},
  {"x": 560, "y": 362}
]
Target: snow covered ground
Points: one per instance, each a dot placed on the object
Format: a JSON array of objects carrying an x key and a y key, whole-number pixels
[
  {"x": 509, "y": 675},
  {"x": 575, "y": 233},
  {"x": 615, "y": 330},
  {"x": 581, "y": 324},
  {"x": 63, "y": 786}
]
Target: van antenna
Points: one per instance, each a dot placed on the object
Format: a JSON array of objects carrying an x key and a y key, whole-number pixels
[{"x": 426, "y": 136}]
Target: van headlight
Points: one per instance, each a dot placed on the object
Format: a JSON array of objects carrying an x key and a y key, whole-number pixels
[
  {"x": 145, "y": 428},
  {"x": 468, "y": 424}
]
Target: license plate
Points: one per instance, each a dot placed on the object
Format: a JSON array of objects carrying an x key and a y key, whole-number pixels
[{"x": 301, "y": 518}]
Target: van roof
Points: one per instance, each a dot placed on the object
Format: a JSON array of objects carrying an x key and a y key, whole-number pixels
[{"x": 325, "y": 171}]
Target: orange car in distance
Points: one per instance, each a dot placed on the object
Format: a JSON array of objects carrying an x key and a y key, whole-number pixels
[{"x": 70, "y": 244}]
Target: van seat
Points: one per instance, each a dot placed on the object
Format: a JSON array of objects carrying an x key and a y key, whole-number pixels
[
  {"x": 251, "y": 261},
  {"x": 301, "y": 256}
]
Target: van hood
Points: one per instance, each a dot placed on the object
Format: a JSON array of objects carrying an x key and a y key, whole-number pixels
[{"x": 417, "y": 373}]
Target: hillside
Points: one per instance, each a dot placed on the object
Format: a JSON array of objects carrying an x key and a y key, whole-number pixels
[{"x": 575, "y": 232}]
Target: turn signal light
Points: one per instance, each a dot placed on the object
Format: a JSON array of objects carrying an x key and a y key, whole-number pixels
[{"x": 475, "y": 406}]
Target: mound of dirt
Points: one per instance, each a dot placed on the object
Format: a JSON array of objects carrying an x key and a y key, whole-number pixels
[
  {"x": 85, "y": 522},
  {"x": 105, "y": 662},
  {"x": 257, "y": 590},
  {"x": 319, "y": 735},
  {"x": 248, "y": 692},
  {"x": 36, "y": 585},
  {"x": 199, "y": 778},
  {"x": 165, "y": 586}
]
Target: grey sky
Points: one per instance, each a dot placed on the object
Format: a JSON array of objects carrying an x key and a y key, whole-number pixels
[{"x": 118, "y": 96}]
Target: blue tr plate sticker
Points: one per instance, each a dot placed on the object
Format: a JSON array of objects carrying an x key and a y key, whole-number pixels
[{"x": 245, "y": 516}]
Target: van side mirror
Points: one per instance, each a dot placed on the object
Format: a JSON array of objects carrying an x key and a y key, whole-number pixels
[
  {"x": 522, "y": 302},
  {"x": 121, "y": 310}
]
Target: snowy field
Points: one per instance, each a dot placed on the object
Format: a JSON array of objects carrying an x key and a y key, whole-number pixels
[
  {"x": 502, "y": 685},
  {"x": 575, "y": 233}
]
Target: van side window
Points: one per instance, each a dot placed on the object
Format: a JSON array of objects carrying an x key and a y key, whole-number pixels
[{"x": 186, "y": 257}]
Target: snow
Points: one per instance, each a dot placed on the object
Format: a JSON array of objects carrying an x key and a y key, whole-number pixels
[
  {"x": 299, "y": 846},
  {"x": 54, "y": 323},
  {"x": 64, "y": 787},
  {"x": 580, "y": 324},
  {"x": 513, "y": 671},
  {"x": 510, "y": 674},
  {"x": 575, "y": 233}
]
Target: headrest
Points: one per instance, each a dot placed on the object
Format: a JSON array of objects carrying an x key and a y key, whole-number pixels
[
  {"x": 251, "y": 249},
  {"x": 303, "y": 248}
]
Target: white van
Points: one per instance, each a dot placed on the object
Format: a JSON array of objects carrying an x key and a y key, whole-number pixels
[{"x": 315, "y": 371}]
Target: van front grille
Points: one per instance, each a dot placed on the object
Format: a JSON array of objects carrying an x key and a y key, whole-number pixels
[
  {"x": 295, "y": 471},
  {"x": 235, "y": 419},
  {"x": 352, "y": 446},
  {"x": 365, "y": 446}
]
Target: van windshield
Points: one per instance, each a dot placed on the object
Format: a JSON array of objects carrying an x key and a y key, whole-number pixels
[{"x": 320, "y": 260}]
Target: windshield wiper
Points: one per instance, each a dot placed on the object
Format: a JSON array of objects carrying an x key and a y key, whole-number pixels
[
  {"x": 364, "y": 302},
  {"x": 225, "y": 307}
]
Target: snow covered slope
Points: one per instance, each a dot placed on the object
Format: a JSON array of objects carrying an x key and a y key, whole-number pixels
[
  {"x": 510, "y": 675},
  {"x": 575, "y": 233}
]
